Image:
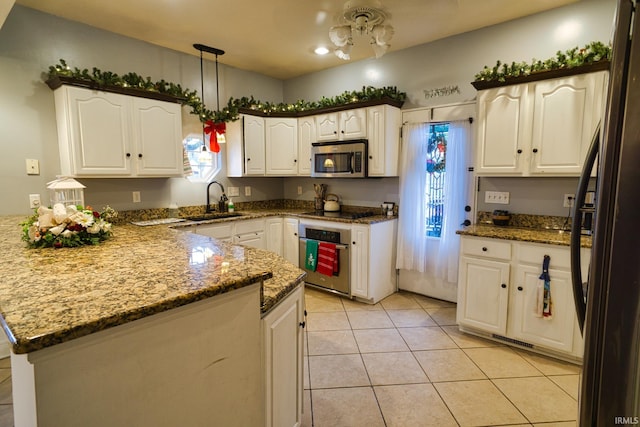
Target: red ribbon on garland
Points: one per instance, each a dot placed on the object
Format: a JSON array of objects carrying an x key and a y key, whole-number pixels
[{"x": 213, "y": 129}]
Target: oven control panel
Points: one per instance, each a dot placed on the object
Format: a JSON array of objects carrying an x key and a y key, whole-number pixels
[{"x": 323, "y": 235}]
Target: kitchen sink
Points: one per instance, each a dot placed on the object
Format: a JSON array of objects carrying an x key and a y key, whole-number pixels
[{"x": 211, "y": 216}]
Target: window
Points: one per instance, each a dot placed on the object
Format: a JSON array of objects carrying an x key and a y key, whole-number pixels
[
  {"x": 205, "y": 165},
  {"x": 435, "y": 173}
]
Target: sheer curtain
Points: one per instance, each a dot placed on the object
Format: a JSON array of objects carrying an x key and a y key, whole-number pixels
[
  {"x": 411, "y": 213},
  {"x": 455, "y": 190}
]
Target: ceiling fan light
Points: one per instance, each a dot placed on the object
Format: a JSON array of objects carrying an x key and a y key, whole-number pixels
[
  {"x": 379, "y": 49},
  {"x": 361, "y": 24},
  {"x": 340, "y": 34},
  {"x": 321, "y": 50},
  {"x": 382, "y": 34}
]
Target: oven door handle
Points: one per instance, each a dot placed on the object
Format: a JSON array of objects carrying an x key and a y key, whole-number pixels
[{"x": 338, "y": 246}]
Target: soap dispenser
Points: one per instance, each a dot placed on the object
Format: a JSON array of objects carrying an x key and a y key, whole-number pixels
[{"x": 231, "y": 206}]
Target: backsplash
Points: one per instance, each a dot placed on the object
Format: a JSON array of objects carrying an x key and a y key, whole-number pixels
[{"x": 547, "y": 222}]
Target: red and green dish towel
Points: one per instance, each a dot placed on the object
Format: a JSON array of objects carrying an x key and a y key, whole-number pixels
[
  {"x": 321, "y": 257},
  {"x": 543, "y": 291}
]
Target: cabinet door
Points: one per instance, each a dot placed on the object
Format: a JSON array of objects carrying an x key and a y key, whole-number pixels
[
  {"x": 555, "y": 332},
  {"x": 255, "y": 240},
  {"x": 273, "y": 229},
  {"x": 100, "y": 133},
  {"x": 360, "y": 261},
  {"x": 383, "y": 133},
  {"x": 353, "y": 123},
  {"x": 565, "y": 114},
  {"x": 306, "y": 136},
  {"x": 290, "y": 242},
  {"x": 327, "y": 127},
  {"x": 281, "y": 146},
  {"x": 283, "y": 361},
  {"x": 502, "y": 130},
  {"x": 483, "y": 290},
  {"x": 158, "y": 137},
  {"x": 254, "y": 154}
]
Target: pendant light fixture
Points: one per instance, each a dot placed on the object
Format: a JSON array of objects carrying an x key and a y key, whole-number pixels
[{"x": 215, "y": 130}]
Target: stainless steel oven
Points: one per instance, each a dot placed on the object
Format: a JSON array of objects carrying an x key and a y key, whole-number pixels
[
  {"x": 339, "y": 159},
  {"x": 340, "y": 281}
]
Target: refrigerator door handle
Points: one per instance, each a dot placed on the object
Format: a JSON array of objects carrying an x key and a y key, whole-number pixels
[{"x": 576, "y": 225}]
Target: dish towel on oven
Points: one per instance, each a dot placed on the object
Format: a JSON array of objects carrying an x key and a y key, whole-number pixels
[
  {"x": 311, "y": 256},
  {"x": 327, "y": 259}
]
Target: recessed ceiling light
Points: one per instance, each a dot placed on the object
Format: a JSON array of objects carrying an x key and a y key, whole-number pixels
[{"x": 321, "y": 50}]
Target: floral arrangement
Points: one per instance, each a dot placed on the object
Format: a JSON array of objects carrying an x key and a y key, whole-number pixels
[
  {"x": 67, "y": 226},
  {"x": 589, "y": 54},
  {"x": 229, "y": 113}
]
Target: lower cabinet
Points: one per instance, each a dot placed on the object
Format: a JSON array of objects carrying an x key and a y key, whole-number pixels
[
  {"x": 282, "y": 343},
  {"x": 250, "y": 233},
  {"x": 273, "y": 231},
  {"x": 223, "y": 232},
  {"x": 290, "y": 242},
  {"x": 497, "y": 292}
]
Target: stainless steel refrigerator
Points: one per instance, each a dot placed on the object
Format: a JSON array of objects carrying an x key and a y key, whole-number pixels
[{"x": 610, "y": 385}]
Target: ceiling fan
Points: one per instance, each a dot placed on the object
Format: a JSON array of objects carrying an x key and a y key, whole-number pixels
[{"x": 361, "y": 19}]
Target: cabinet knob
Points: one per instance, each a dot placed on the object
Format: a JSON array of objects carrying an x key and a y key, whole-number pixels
[
  {"x": 139, "y": 155},
  {"x": 519, "y": 151},
  {"x": 342, "y": 131},
  {"x": 503, "y": 286},
  {"x": 248, "y": 159},
  {"x": 370, "y": 157},
  {"x": 353, "y": 243},
  {"x": 519, "y": 288},
  {"x": 303, "y": 324},
  {"x": 128, "y": 154},
  {"x": 484, "y": 249},
  {"x": 335, "y": 132},
  {"x": 295, "y": 234},
  {"x": 466, "y": 223},
  {"x": 535, "y": 150},
  {"x": 295, "y": 160}
]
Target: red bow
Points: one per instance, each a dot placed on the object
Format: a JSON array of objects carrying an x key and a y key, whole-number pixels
[{"x": 213, "y": 130}]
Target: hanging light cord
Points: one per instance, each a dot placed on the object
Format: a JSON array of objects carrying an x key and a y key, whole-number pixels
[{"x": 204, "y": 145}]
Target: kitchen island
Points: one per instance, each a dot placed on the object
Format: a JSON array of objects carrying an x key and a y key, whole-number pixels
[{"x": 152, "y": 327}]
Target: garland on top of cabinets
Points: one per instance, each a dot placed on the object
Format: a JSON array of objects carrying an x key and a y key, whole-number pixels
[
  {"x": 106, "y": 79},
  {"x": 590, "y": 54}
]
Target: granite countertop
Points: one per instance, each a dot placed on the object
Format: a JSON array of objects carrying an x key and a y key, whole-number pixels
[
  {"x": 552, "y": 237},
  {"x": 49, "y": 296}
]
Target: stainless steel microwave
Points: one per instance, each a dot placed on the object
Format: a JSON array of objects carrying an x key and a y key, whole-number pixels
[{"x": 339, "y": 159}]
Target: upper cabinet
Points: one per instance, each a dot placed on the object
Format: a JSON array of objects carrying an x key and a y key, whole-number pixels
[
  {"x": 541, "y": 128},
  {"x": 347, "y": 124},
  {"x": 306, "y": 136},
  {"x": 254, "y": 150},
  {"x": 102, "y": 134},
  {"x": 281, "y": 146},
  {"x": 384, "y": 123}
]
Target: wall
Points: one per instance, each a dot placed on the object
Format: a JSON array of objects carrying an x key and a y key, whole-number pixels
[
  {"x": 454, "y": 61},
  {"x": 31, "y": 41}
]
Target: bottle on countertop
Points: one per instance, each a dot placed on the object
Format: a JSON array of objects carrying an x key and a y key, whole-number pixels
[{"x": 231, "y": 206}]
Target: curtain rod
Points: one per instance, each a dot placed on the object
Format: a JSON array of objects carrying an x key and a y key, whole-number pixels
[{"x": 470, "y": 119}]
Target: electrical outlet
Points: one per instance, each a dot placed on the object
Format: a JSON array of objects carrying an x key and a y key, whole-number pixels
[
  {"x": 299, "y": 190},
  {"x": 33, "y": 167},
  {"x": 136, "y": 197},
  {"x": 247, "y": 191},
  {"x": 34, "y": 201},
  {"x": 567, "y": 200},
  {"x": 498, "y": 197},
  {"x": 233, "y": 191}
]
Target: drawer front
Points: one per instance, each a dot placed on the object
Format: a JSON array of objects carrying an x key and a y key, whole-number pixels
[
  {"x": 534, "y": 254},
  {"x": 222, "y": 231},
  {"x": 488, "y": 248},
  {"x": 249, "y": 226}
]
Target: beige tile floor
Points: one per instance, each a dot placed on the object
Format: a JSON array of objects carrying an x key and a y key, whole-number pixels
[{"x": 403, "y": 362}]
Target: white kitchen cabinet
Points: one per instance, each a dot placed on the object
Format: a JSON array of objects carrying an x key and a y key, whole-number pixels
[
  {"x": 250, "y": 233},
  {"x": 502, "y": 129},
  {"x": 102, "y": 134},
  {"x": 281, "y": 146},
  {"x": 283, "y": 361},
  {"x": 347, "y": 124},
  {"x": 497, "y": 293},
  {"x": 384, "y": 123},
  {"x": 254, "y": 148},
  {"x": 274, "y": 235},
  {"x": 540, "y": 128},
  {"x": 373, "y": 260},
  {"x": 222, "y": 231},
  {"x": 483, "y": 294},
  {"x": 306, "y": 136},
  {"x": 290, "y": 242}
]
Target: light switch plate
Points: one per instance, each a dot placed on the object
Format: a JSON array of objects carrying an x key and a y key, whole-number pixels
[
  {"x": 498, "y": 197},
  {"x": 247, "y": 191},
  {"x": 34, "y": 201},
  {"x": 234, "y": 191}
]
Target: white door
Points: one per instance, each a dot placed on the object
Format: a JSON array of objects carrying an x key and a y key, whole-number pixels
[
  {"x": 306, "y": 136},
  {"x": 555, "y": 332},
  {"x": 100, "y": 131},
  {"x": 158, "y": 137},
  {"x": 502, "y": 129},
  {"x": 483, "y": 294},
  {"x": 281, "y": 146},
  {"x": 254, "y": 150}
]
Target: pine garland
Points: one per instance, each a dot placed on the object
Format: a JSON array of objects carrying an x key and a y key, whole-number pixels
[
  {"x": 229, "y": 113},
  {"x": 591, "y": 53}
]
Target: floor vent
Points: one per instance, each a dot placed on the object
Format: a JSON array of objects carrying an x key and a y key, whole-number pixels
[{"x": 512, "y": 341}]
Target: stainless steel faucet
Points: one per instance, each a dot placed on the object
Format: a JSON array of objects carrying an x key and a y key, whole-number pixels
[{"x": 221, "y": 203}]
